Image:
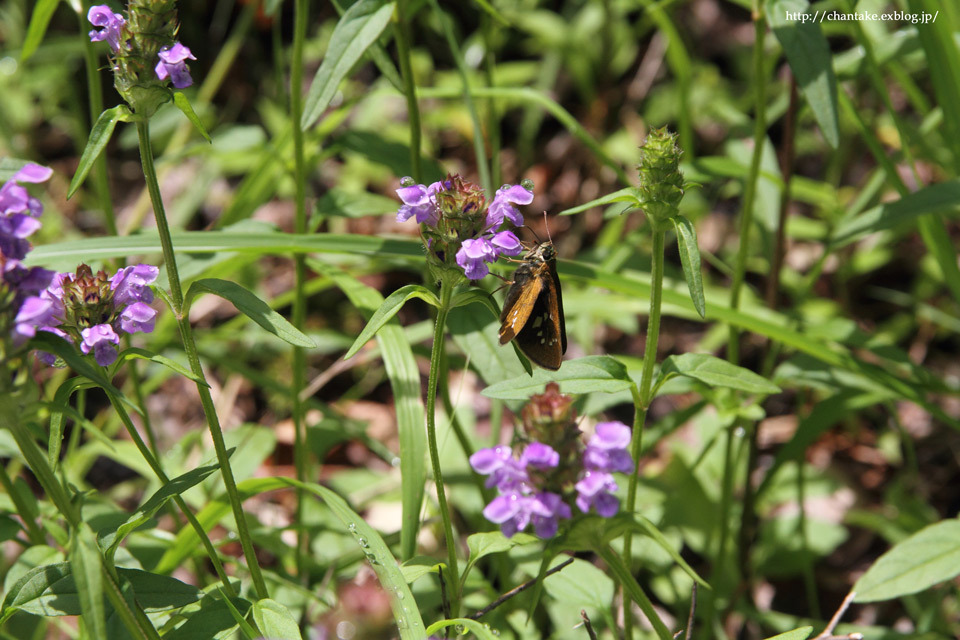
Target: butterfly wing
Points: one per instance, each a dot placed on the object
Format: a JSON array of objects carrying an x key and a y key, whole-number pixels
[
  {"x": 561, "y": 323},
  {"x": 520, "y": 301},
  {"x": 542, "y": 338}
]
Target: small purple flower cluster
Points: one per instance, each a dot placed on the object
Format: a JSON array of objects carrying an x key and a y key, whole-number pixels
[
  {"x": 520, "y": 503},
  {"x": 19, "y": 213},
  {"x": 458, "y": 222},
  {"x": 92, "y": 310},
  {"x": 172, "y": 62},
  {"x": 540, "y": 486}
]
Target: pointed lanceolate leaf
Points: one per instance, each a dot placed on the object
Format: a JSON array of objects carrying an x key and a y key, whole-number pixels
[
  {"x": 940, "y": 197},
  {"x": 690, "y": 260},
  {"x": 715, "y": 372},
  {"x": 99, "y": 137},
  {"x": 797, "y": 634},
  {"x": 251, "y": 306},
  {"x": 110, "y": 540},
  {"x": 183, "y": 103},
  {"x": 359, "y": 27},
  {"x": 583, "y": 375},
  {"x": 87, "y": 564},
  {"x": 391, "y": 305},
  {"x": 173, "y": 365},
  {"x": 811, "y": 61},
  {"x": 39, "y": 20},
  {"x": 928, "y": 557}
]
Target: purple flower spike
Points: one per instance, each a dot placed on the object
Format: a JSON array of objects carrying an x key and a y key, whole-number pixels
[
  {"x": 596, "y": 489},
  {"x": 139, "y": 316},
  {"x": 102, "y": 16},
  {"x": 506, "y": 243},
  {"x": 502, "y": 206},
  {"x": 473, "y": 256},
  {"x": 103, "y": 341},
  {"x": 130, "y": 284},
  {"x": 173, "y": 65}
]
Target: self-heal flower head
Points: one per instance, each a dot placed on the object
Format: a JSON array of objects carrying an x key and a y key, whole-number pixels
[
  {"x": 103, "y": 341},
  {"x": 103, "y": 16},
  {"x": 130, "y": 284},
  {"x": 139, "y": 316},
  {"x": 19, "y": 211},
  {"x": 503, "y": 207},
  {"x": 173, "y": 65},
  {"x": 596, "y": 489}
]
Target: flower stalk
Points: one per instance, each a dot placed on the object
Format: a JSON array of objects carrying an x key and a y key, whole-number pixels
[{"x": 193, "y": 356}]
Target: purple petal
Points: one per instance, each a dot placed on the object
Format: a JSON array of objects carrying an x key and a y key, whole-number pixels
[
  {"x": 139, "y": 316},
  {"x": 102, "y": 340},
  {"x": 175, "y": 54},
  {"x": 486, "y": 461},
  {"x": 507, "y": 243},
  {"x": 611, "y": 435},
  {"x": 502, "y": 508},
  {"x": 540, "y": 455},
  {"x": 31, "y": 172}
]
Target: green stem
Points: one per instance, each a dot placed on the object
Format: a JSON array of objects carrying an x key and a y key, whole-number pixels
[
  {"x": 95, "y": 99},
  {"x": 34, "y": 534},
  {"x": 190, "y": 347},
  {"x": 750, "y": 189},
  {"x": 400, "y": 36},
  {"x": 642, "y": 396},
  {"x": 446, "y": 294},
  {"x": 162, "y": 476},
  {"x": 300, "y": 458}
]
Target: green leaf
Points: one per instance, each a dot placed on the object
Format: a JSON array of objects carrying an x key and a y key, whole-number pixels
[
  {"x": 404, "y": 379},
  {"x": 476, "y": 333},
  {"x": 714, "y": 372},
  {"x": 247, "y": 629},
  {"x": 252, "y": 307},
  {"x": 212, "y": 621},
  {"x": 627, "y": 194},
  {"x": 797, "y": 634},
  {"x": 173, "y": 365},
  {"x": 183, "y": 103},
  {"x": 99, "y": 137},
  {"x": 341, "y": 203},
  {"x": 60, "y": 406},
  {"x": 87, "y": 569},
  {"x": 110, "y": 540},
  {"x": 275, "y": 621},
  {"x": 632, "y": 588},
  {"x": 928, "y": 557},
  {"x": 479, "y": 629},
  {"x": 46, "y": 341},
  {"x": 419, "y": 566},
  {"x": 941, "y": 197},
  {"x": 393, "y": 303},
  {"x": 478, "y": 296},
  {"x": 39, "y": 21},
  {"x": 359, "y": 27},
  {"x": 811, "y": 61},
  {"x": 640, "y": 524},
  {"x": 583, "y": 375},
  {"x": 489, "y": 543},
  {"x": 690, "y": 260},
  {"x": 51, "y": 590}
]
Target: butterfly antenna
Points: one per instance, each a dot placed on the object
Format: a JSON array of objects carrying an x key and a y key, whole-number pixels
[
  {"x": 547, "y": 226},
  {"x": 530, "y": 229}
]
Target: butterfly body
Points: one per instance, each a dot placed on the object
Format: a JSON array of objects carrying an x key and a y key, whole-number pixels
[{"x": 533, "y": 310}]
